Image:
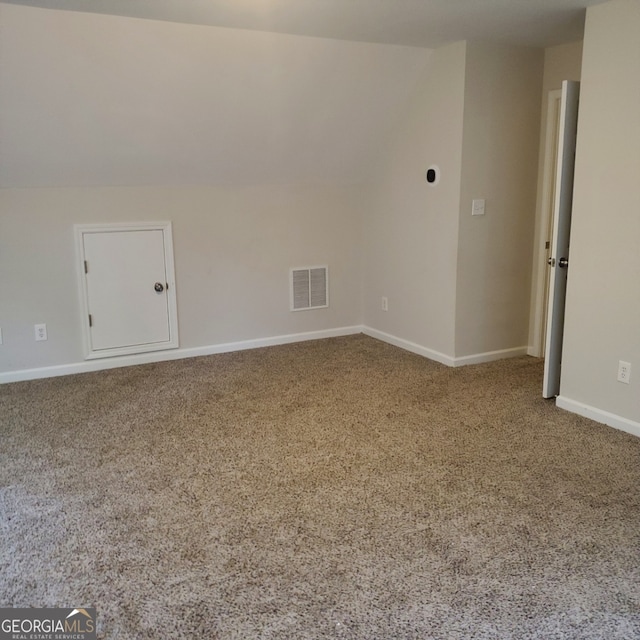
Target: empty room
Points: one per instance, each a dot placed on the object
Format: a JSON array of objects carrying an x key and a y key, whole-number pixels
[{"x": 320, "y": 319}]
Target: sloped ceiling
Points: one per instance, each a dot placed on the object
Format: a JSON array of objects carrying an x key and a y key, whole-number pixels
[
  {"x": 101, "y": 97},
  {"x": 98, "y": 100}
]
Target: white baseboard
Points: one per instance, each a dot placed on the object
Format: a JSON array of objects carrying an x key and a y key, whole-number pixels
[
  {"x": 192, "y": 352},
  {"x": 604, "y": 417},
  {"x": 443, "y": 358},
  {"x": 173, "y": 354},
  {"x": 410, "y": 346},
  {"x": 587, "y": 411},
  {"x": 489, "y": 356}
]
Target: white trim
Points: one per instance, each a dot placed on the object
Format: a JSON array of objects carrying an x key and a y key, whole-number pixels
[
  {"x": 442, "y": 358},
  {"x": 490, "y": 356},
  {"x": 604, "y": 417},
  {"x": 173, "y": 354},
  {"x": 587, "y": 411},
  {"x": 193, "y": 352}
]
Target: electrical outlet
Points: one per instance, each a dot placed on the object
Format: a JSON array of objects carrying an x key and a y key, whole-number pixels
[
  {"x": 41, "y": 331},
  {"x": 384, "y": 303},
  {"x": 624, "y": 372}
]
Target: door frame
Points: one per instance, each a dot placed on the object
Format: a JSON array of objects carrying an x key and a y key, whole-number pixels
[
  {"x": 165, "y": 226},
  {"x": 542, "y": 268}
]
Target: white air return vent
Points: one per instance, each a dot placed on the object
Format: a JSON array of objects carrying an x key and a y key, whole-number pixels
[{"x": 309, "y": 288}]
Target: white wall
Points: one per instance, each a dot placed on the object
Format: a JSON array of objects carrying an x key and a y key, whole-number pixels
[
  {"x": 233, "y": 251},
  {"x": 499, "y": 164},
  {"x": 602, "y": 324},
  {"x": 459, "y": 286},
  {"x": 94, "y": 100},
  {"x": 412, "y": 228},
  {"x": 256, "y": 146}
]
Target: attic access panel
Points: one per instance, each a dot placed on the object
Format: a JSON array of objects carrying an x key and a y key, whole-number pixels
[{"x": 127, "y": 287}]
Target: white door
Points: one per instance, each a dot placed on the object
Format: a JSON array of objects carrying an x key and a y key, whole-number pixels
[
  {"x": 559, "y": 256},
  {"x": 129, "y": 289}
]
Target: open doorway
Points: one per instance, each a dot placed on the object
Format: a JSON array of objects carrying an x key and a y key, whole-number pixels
[
  {"x": 553, "y": 248},
  {"x": 543, "y": 242}
]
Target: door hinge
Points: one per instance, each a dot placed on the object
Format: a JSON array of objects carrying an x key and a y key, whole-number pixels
[
  {"x": 86, "y": 267},
  {"x": 90, "y": 321}
]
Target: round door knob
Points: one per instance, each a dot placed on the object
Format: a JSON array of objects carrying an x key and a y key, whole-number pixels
[
  {"x": 563, "y": 263},
  {"x": 159, "y": 287},
  {"x": 551, "y": 262}
]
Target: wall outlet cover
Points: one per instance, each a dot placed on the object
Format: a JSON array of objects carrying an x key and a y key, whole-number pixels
[
  {"x": 624, "y": 372},
  {"x": 41, "y": 331}
]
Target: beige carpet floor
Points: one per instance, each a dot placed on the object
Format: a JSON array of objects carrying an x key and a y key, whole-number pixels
[{"x": 341, "y": 488}]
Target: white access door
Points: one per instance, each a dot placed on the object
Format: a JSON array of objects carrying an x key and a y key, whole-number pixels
[
  {"x": 129, "y": 289},
  {"x": 559, "y": 256}
]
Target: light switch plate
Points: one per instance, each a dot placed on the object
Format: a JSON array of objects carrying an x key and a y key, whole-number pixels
[{"x": 477, "y": 207}]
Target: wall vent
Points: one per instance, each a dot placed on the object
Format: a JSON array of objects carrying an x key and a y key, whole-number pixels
[{"x": 309, "y": 288}]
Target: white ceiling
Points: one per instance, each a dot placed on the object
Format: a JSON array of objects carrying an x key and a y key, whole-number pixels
[{"x": 423, "y": 23}]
